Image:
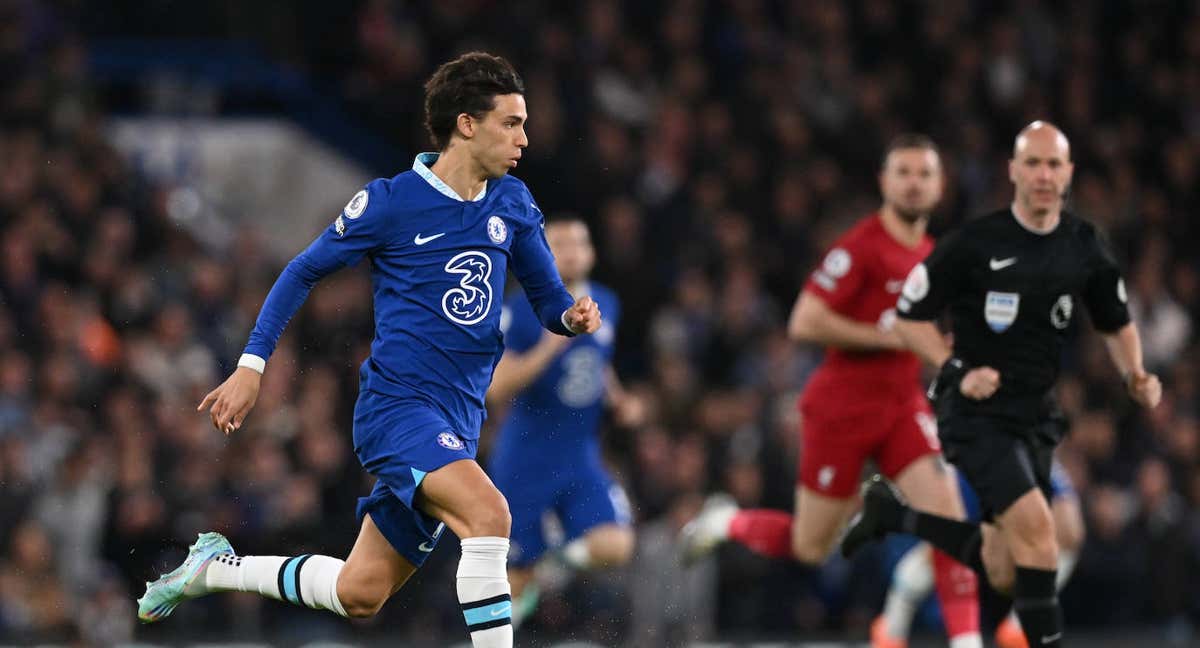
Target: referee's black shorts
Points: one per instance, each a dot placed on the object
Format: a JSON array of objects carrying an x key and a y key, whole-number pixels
[{"x": 1001, "y": 460}]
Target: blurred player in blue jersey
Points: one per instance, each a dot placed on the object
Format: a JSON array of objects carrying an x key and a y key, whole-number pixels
[
  {"x": 547, "y": 459},
  {"x": 441, "y": 238}
]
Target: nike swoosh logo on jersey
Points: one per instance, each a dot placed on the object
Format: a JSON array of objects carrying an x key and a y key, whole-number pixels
[
  {"x": 422, "y": 240},
  {"x": 1053, "y": 637},
  {"x": 506, "y": 608},
  {"x": 424, "y": 546},
  {"x": 1000, "y": 264}
]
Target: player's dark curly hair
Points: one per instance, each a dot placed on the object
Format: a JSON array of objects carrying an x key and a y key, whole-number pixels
[{"x": 468, "y": 84}]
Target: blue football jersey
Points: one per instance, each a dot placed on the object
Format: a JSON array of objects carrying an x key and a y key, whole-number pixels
[
  {"x": 562, "y": 408},
  {"x": 438, "y": 268}
]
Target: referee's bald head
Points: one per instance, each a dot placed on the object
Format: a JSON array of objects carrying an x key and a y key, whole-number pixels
[{"x": 1041, "y": 130}]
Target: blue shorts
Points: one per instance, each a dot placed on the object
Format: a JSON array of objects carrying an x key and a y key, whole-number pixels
[
  {"x": 579, "y": 496},
  {"x": 399, "y": 440},
  {"x": 1060, "y": 486}
]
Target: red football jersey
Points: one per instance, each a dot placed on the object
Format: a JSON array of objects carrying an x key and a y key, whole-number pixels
[{"x": 860, "y": 278}]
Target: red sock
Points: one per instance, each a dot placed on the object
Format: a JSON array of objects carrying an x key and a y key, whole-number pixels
[
  {"x": 958, "y": 592},
  {"x": 763, "y": 531}
]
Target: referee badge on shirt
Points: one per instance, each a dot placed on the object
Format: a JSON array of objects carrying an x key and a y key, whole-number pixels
[{"x": 1000, "y": 309}]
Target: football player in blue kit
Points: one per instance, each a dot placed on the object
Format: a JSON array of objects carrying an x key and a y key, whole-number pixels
[
  {"x": 441, "y": 238},
  {"x": 547, "y": 458}
]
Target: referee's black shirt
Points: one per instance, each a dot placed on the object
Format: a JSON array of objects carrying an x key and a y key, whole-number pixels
[{"x": 1012, "y": 293}]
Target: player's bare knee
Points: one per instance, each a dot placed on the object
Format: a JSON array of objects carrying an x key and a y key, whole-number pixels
[
  {"x": 1033, "y": 543},
  {"x": 490, "y": 518},
  {"x": 1033, "y": 532},
  {"x": 811, "y": 551}
]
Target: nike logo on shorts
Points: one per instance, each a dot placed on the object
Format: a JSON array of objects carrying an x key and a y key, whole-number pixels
[{"x": 1000, "y": 264}]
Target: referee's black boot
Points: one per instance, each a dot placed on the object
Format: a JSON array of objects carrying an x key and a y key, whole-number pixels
[{"x": 882, "y": 512}]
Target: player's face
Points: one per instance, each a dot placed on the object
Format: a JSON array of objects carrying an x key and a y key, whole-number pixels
[
  {"x": 500, "y": 137},
  {"x": 572, "y": 248},
  {"x": 911, "y": 182},
  {"x": 1041, "y": 170}
]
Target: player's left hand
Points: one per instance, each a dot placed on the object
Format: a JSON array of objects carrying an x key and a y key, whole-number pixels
[
  {"x": 1145, "y": 388},
  {"x": 583, "y": 317}
]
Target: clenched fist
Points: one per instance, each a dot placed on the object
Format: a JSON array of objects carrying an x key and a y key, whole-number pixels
[
  {"x": 583, "y": 317},
  {"x": 1145, "y": 388},
  {"x": 980, "y": 383}
]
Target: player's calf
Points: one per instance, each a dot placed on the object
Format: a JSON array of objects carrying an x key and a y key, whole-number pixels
[
  {"x": 463, "y": 497},
  {"x": 363, "y": 589}
]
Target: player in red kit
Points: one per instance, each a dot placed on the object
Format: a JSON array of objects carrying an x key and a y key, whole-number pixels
[{"x": 866, "y": 401}]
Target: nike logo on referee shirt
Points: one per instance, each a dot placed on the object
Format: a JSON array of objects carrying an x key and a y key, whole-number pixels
[
  {"x": 1000, "y": 264},
  {"x": 422, "y": 240}
]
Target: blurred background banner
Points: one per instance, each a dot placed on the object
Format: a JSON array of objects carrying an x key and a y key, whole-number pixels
[
  {"x": 229, "y": 174},
  {"x": 160, "y": 160}
]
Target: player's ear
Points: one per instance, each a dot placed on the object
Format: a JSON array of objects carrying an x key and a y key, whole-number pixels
[
  {"x": 1012, "y": 170},
  {"x": 465, "y": 125}
]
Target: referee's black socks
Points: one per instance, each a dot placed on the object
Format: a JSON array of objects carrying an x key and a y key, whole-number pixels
[{"x": 1035, "y": 599}]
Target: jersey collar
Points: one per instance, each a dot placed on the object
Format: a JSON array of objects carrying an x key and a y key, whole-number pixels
[
  {"x": 1012, "y": 211},
  {"x": 421, "y": 165}
]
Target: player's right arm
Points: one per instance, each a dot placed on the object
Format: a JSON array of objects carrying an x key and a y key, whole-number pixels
[
  {"x": 929, "y": 288},
  {"x": 830, "y": 290},
  {"x": 361, "y": 227},
  {"x": 812, "y": 320}
]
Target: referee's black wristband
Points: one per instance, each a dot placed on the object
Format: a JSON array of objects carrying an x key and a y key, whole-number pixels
[{"x": 949, "y": 377}]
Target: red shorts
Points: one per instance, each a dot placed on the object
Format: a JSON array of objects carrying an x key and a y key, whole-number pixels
[{"x": 837, "y": 441}]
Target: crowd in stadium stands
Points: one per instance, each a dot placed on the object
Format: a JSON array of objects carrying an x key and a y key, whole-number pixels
[{"x": 715, "y": 148}]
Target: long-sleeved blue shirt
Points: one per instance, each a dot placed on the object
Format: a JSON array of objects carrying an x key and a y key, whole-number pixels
[{"x": 438, "y": 267}]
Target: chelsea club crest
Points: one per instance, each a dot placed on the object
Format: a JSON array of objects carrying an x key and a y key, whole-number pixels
[
  {"x": 497, "y": 230},
  {"x": 449, "y": 441}
]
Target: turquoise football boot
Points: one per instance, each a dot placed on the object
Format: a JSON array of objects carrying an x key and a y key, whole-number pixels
[{"x": 163, "y": 595}]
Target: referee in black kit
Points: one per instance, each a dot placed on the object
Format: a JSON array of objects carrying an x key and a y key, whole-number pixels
[{"x": 1011, "y": 281}]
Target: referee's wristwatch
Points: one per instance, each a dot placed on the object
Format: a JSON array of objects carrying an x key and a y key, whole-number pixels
[{"x": 948, "y": 377}]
